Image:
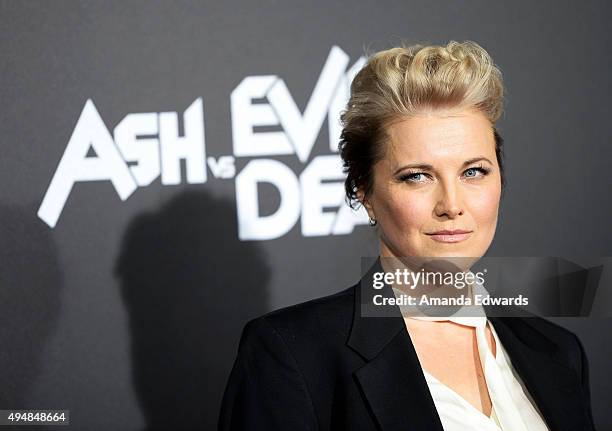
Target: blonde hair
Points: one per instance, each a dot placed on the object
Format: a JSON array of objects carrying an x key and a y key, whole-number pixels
[{"x": 406, "y": 81}]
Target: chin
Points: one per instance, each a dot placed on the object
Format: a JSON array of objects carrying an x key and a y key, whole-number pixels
[
  {"x": 454, "y": 252},
  {"x": 455, "y": 249}
]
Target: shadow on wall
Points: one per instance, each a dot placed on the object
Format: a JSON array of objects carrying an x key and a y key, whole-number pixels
[
  {"x": 189, "y": 286},
  {"x": 30, "y": 297}
]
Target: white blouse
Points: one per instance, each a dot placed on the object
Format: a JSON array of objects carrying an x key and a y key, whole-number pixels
[
  {"x": 457, "y": 414},
  {"x": 513, "y": 408}
]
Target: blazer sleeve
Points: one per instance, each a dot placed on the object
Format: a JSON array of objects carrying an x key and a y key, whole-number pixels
[
  {"x": 265, "y": 390},
  {"x": 584, "y": 376}
]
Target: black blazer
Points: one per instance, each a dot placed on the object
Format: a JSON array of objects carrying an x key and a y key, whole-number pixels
[{"x": 320, "y": 365}]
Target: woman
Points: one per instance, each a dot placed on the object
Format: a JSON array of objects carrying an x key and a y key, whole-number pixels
[{"x": 422, "y": 155}]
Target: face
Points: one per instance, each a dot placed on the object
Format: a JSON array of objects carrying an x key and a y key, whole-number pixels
[{"x": 439, "y": 174}]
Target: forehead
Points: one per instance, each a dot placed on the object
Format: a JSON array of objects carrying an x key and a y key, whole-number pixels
[{"x": 428, "y": 137}]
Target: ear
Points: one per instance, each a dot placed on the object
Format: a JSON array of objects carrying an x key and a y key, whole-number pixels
[{"x": 366, "y": 203}]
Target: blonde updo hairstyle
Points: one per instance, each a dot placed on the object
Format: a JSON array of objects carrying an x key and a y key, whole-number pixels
[{"x": 405, "y": 81}]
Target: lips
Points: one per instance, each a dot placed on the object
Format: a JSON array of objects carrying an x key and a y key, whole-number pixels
[
  {"x": 450, "y": 232},
  {"x": 450, "y": 236}
]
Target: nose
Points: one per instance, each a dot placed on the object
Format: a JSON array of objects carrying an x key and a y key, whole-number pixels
[{"x": 448, "y": 202}]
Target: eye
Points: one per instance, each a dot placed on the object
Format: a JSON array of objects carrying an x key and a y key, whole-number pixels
[
  {"x": 476, "y": 172},
  {"x": 414, "y": 177}
]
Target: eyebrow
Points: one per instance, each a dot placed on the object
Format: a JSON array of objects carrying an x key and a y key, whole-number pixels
[{"x": 425, "y": 166}]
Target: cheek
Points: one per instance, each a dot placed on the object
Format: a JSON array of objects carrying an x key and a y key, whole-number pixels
[
  {"x": 407, "y": 212},
  {"x": 485, "y": 206}
]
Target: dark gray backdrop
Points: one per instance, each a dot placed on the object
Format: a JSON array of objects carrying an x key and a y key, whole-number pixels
[{"x": 128, "y": 312}]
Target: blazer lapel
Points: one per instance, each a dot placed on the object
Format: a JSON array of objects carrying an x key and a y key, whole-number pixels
[
  {"x": 392, "y": 381},
  {"x": 553, "y": 386}
]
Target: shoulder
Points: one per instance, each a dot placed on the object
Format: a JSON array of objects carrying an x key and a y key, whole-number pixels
[
  {"x": 564, "y": 342},
  {"x": 314, "y": 322},
  {"x": 553, "y": 331},
  {"x": 284, "y": 364}
]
